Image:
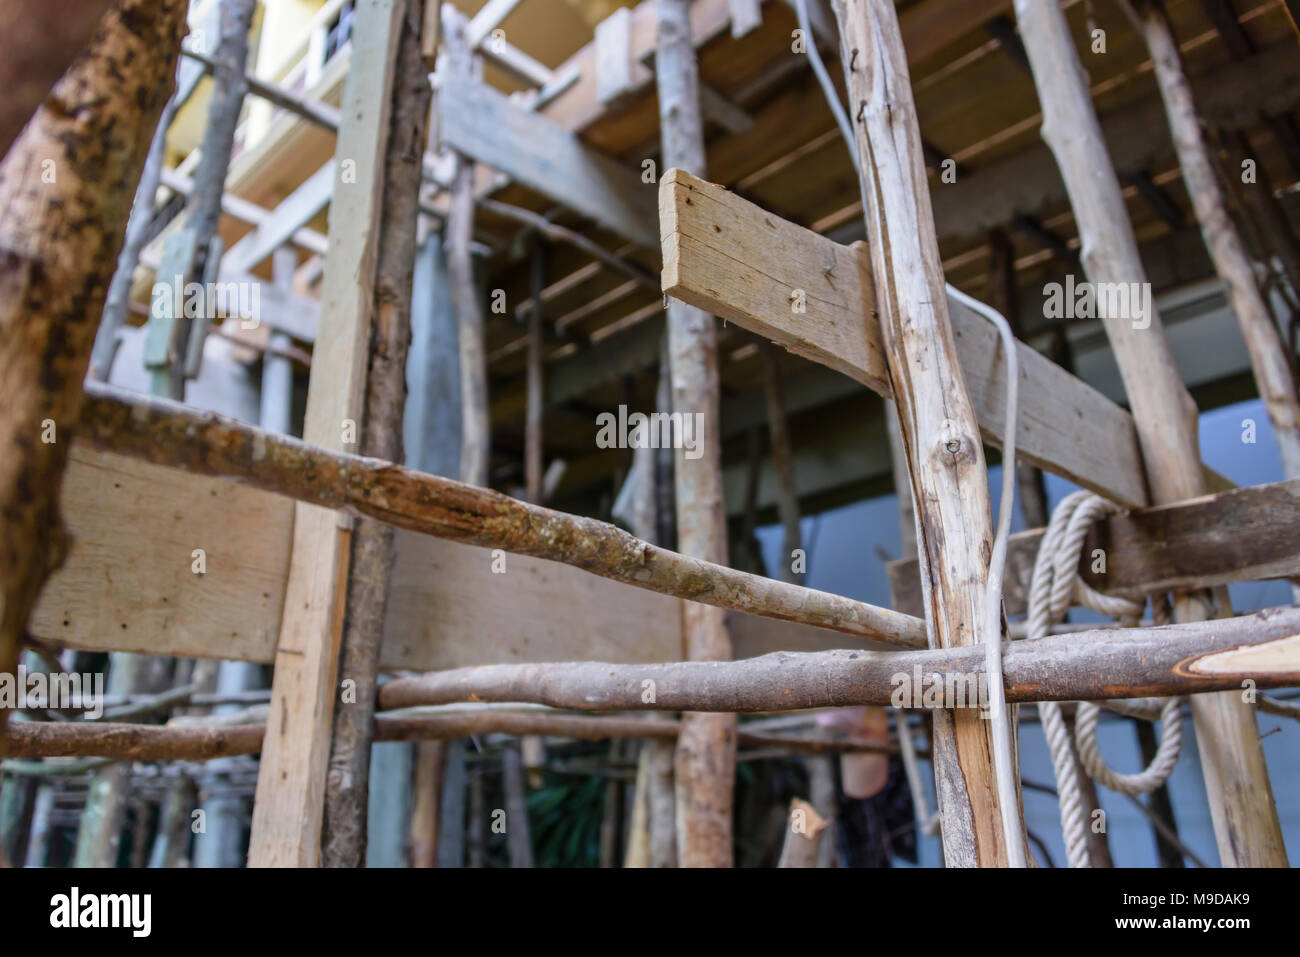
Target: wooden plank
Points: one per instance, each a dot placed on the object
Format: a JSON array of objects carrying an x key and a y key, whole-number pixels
[
  {"x": 733, "y": 259},
  {"x": 294, "y": 212},
  {"x": 289, "y": 803},
  {"x": 1246, "y": 534},
  {"x": 123, "y": 591},
  {"x": 746, "y": 17},
  {"x": 516, "y": 61},
  {"x": 736, "y": 261},
  {"x": 114, "y": 576},
  {"x": 490, "y": 16},
  {"x": 445, "y": 603},
  {"x": 614, "y": 56},
  {"x": 484, "y": 125}
]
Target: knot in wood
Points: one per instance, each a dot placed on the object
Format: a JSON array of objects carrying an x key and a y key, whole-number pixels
[{"x": 953, "y": 440}]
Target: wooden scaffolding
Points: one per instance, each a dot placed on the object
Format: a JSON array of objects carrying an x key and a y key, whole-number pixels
[{"x": 197, "y": 536}]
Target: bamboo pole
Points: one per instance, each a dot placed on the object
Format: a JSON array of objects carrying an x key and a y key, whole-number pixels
[
  {"x": 945, "y": 454},
  {"x": 61, "y": 239},
  {"x": 1232, "y": 759},
  {"x": 346, "y": 796},
  {"x": 166, "y": 433},
  {"x": 706, "y": 749}
]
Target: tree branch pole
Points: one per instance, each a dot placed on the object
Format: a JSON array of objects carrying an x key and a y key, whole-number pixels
[
  {"x": 1268, "y": 359},
  {"x": 59, "y": 242},
  {"x": 1085, "y": 665},
  {"x": 706, "y": 749},
  {"x": 347, "y": 797},
  {"x": 118, "y": 302},
  {"x": 167, "y": 433},
  {"x": 206, "y": 742},
  {"x": 945, "y": 454},
  {"x": 1232, "y": 759},
  {"x": 228, "y": 90}
]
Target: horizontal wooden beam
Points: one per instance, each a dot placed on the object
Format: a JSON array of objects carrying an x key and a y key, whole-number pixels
[
  {"x": 170, "y": 434},
  {"x": 1246, "y": 534},
  {"x": 294, "y": 213},
  {"x": 1082, "y": 666},
  {"x": 1028, "y": 182},
  {"x": 484, "y": 125},
  {"x": 815, "y": 297},
  {"x": 209, "y": 579},
  {"x": 146, "y": 742}
]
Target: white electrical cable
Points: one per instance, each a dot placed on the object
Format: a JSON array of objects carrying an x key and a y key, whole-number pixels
[{"x": 1004, "y": 768}]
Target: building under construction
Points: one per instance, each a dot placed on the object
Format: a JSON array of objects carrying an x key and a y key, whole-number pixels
[{"x": 802, "y": 433}]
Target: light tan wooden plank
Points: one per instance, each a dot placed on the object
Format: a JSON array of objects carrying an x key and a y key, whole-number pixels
[
  {"x": 614, "y": 55},
  {"x": 122, "y": 589},
  {"x": 289, "y": 804},
  {"x": 743, "y": 264},
  {"x": 732, "y": 258}
]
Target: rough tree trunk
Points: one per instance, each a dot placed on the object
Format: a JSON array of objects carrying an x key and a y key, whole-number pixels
[
  {"x": 344, "y": 842},
  {"x": 66, "y": 187}
]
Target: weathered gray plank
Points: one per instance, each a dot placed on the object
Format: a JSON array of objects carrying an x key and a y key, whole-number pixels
[{"x": 485, "y": 126}]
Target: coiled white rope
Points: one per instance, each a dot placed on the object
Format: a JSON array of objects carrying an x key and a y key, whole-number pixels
[{"x": 1054, "y": 584}]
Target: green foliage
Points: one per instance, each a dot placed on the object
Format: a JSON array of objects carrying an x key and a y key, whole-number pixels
[{"x": 565, "y": 816}]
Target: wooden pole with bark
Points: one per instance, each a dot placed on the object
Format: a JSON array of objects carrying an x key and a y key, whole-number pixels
[
  {"x": 289, "y": 807},
  {"x": 945, "y": 454},
  {"x": 1268, "y": 359},
  {"x": 1232, "y": 759},
  {"x": 346, "y": 796},
  {"x": 1080, "y": 666},
  {"x": 706, "y": 749},
  {"x": 229, "y": 86},
  {"x": 215, "y": 741},
  {"x": 166, "y": 433},
  {"x": 59, "y": 240}
]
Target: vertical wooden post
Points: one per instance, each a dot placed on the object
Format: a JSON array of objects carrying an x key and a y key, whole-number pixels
[
  {"x": 533, "y": 418},
  {"x": 289, "y": 805},
  {"x": 787, "y": 496},
  {"x": 476, "y": 435},
  {"x": 945, "y": 454},
  {"x": 706, "y": 748},
  {"x": 1277, "y": 387},
  {"x": 60, "y": 238},
  {"x": 372, "y": 545},
  {"x": 1232, "y": 758}
]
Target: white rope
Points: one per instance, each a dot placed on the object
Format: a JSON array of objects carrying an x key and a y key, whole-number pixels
[
  {"x": 1055, "y": 583},
  {"x": 1146, "y": 780},
  {"x": 1005, "y": 771}
]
